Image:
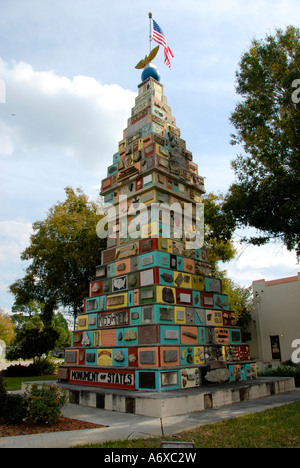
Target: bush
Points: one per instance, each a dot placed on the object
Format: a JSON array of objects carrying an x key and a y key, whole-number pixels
[
  {"x": 14, "y": 410},
  {"x": 44, "y": 404},
  {"x": 18, "y": 370},
  {"x": 283, "y": 371},
  {"x": 3, "y": 393}
]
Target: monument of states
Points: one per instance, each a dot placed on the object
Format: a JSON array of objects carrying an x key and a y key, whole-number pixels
[{"x": 156, "y": 318}]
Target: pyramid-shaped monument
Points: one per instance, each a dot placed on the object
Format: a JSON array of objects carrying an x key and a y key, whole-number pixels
[{"x": 156, "y": 317}]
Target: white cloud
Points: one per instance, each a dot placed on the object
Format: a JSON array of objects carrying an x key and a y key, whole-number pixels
[
  {"x": 269, "y": 262},
  {"x": 14, "y": 238},
  {"x": 81, "y": 117}
]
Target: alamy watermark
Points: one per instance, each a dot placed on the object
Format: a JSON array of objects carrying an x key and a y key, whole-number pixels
[
  {"x": 136, "y": 220},
  {"x": 295, "y": 358},
  {"x": 2, "y": 92},
  {"x": 296, "y": 93}
]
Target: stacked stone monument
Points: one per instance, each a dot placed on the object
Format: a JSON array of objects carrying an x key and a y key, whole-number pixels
[{"x": 156, "y": 317}]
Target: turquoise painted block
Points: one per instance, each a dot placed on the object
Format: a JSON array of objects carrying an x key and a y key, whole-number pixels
[
  {"x": 221, "y": 301},
  {"x": 163, "y": 259},
  {"x": 165, "y": 378},
  {"x": 122, "y": 336},
  {"x": 136, "y": 312},
  {"x": 243, "y": 372},
  {"x": 163, "y": 314},
  {"x": 148, "y": 260},
  {"x": 147, "y": 380},
  {"x": 202, "y": 335},
  {"x": 179, "y": 263},
  {"x": 231, "y": 373},
  {"x": 111, "y": 270},
  {"x": 121, "y": 353},
  {"x": 130, "y": 298},
  {"x": 169, "y": 334},
  {"x": 111, "y": 170},
  {"x": 92, "y": 318},
  {"x": 235, "y": 336},
  {"x": 116, "y": 157},
  {"x": 91, "y": 357},
  {"x": 146, "y": 130},
  {"x": 200, "y": 316},
  {"x": 210, "y": 287},
  {"x": 184, "y": 353},
  {"x": 162, "y": 272},
  {"x": 196, "y": 298}
]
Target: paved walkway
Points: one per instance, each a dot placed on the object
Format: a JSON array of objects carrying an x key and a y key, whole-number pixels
[{"x": 130, "y": 426}]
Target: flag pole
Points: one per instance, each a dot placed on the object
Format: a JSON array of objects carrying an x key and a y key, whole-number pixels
[{"x": 150, "y": 31}]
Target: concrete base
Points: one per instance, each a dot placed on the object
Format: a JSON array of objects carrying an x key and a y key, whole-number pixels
[{"x": 176, "y": 402}]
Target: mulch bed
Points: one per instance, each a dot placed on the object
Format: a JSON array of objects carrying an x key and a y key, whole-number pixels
[{"x": 65, "y": 424}]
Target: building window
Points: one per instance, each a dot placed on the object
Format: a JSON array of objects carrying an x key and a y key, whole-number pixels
[{"x": 275, "y": 347}]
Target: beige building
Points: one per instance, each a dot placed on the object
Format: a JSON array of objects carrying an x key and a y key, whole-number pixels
[{"x": 275, "y": 334}]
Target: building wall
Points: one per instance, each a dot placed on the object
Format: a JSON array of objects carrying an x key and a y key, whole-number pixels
[{"x": 276, "y": 318}]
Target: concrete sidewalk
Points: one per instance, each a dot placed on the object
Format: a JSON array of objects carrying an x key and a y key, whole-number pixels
[{"x": 130, "y": 426}]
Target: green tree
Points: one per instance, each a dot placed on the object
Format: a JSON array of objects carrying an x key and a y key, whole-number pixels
[
  {"x": 241, "y": 302},
  {"x": 64, "y": 251},
  {"x": 7, "y": 328},
  {"x": 219, "y": 229},
  {"x": 266, "y": 195},
  {"x": 33, "y": 340}
]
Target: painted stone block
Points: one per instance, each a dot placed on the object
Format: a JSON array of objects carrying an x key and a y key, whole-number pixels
[
  {"x": 135, "y": 316},
  {"x": 82, "y": 322},
  {"x": 207, "y": 299},
  {"x": 147, "y": 295},
  {"x": 200, "y": 316},
  {"x": 235, "y": 335},
  {"x": 180, "y": 316},
  {"x": 147, "y": 315},
  {"x": 169, "y": 356},
  {"x": 133, "y": 357},
  {"x": 166, "y": 294},
  {"x": 166, "y": 277},
  {"x": 91, "y": 357},
  {"x": 116, "y": 301},
  {"x": 189, "y": 335},
  {"x": 92, "y": 305},
  {"x": 113, "y": 319},
  {"x": 163, "y": 314},
  {"x": 169, "y": 334},
  {"x": 169, "y": 380},
  {"x": 148, "y": 357},
  {"x": 221, "y": 301},
  {"x": 76, "y": 338},
  {"x": 95, "y": 288},
  {"x": 213, "y": 285},
  {"x": 148, "y": 334},
  {"x": 109, "y": 337},
  {"x": 120, "y": 357},
  {"x": 147, "y": 380},
  {"x": 184, "y": 296},
  {"x": 104, "y": 357},
  {"x": 190, "y": 378},
  {"x": 71, "y": 357}
]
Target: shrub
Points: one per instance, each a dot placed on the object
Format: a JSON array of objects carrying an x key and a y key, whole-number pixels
[
  {"x": 14, "y": 410},
  {"x": 283, "y": 371},
  {"x": 3, "y": 393},
  {"x": 44, "y": 404},
  {"x": 18, "y": 370}
]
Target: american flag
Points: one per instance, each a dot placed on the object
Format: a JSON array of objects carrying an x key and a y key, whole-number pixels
[{"x": 159, "y": 37}]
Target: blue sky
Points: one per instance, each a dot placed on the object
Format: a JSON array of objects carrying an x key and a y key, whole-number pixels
[{"x": 70, "y": 78}]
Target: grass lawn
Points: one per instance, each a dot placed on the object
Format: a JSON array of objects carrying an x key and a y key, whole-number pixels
[
  {"x": 274, "y": 428},
  {"x": 14, "y": 383}
]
